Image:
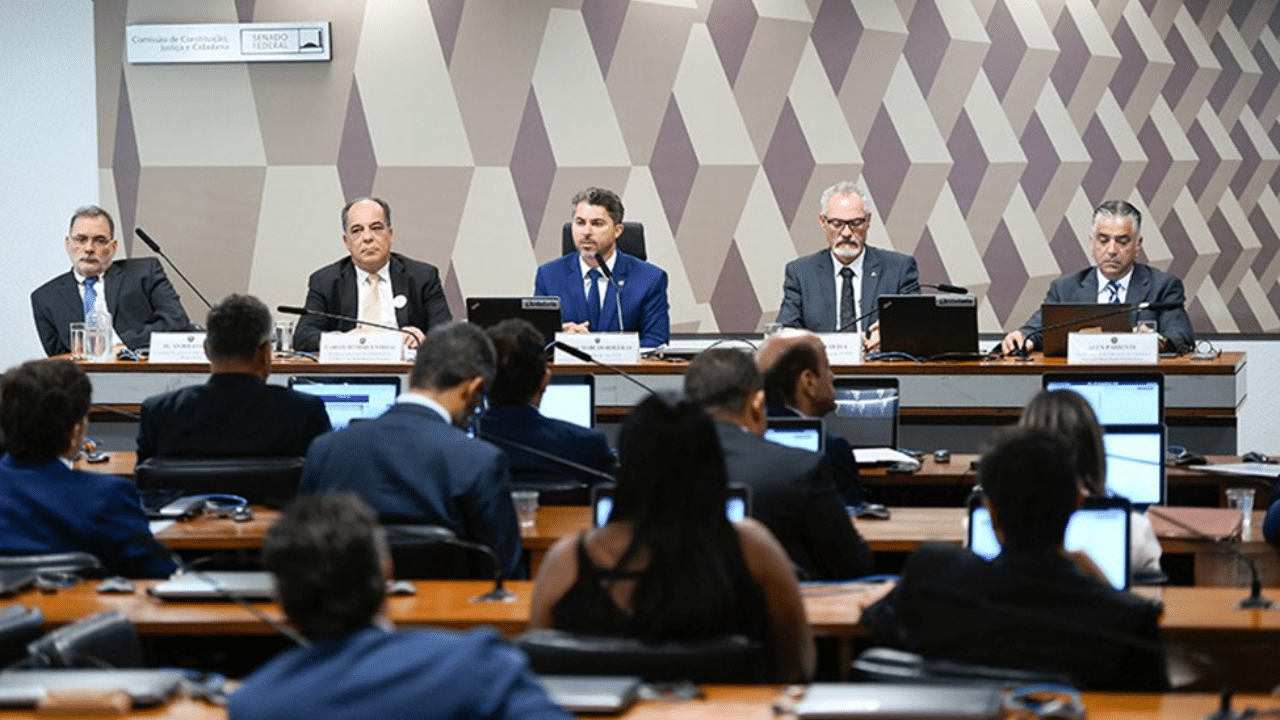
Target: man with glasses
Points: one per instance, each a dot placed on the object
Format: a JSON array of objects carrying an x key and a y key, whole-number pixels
[
  {"x": 373, "y": 284},
  {"x": 835, "y": 289},
  {"x": 135, "y": 292}
]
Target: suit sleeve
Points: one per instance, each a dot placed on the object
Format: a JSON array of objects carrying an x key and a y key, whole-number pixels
[
  {"x": 160, "y": 310},
  {"x": 490, "y": 515},
  {"x": 1174, "y": 325},
  {"x": 46, "y": 327},
  {"x": 838, "y": 551},
  {"x": 910, "y": 284},
  {"x": 127, "y": 546},
  {"x": 506, "y": 687},
  {"x": 1031, "y": 330},
  {"x": 655, "y": 328},
  {"x": 540, "y": 285},
  {"x": 306, "y": 334},
  {"x": 792, "y": 309}
]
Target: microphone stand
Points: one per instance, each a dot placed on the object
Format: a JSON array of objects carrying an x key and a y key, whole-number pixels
[
  {"x": 562, "y": 462},
  {"x": 586, "y": 357},
  {"x": 155, "y": 248},
  {"x": 1255, "y": 600},
  {"x": 290, "y": 310},
  {"x": 617, "y": 289},
  {"x": 445, "y": 536}
]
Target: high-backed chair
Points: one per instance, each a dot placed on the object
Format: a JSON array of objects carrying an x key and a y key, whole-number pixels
[
  {"x": 263, "y": 480},
  {"x": 84, "y": 564},
  {"x": 103, "y": 640},
  {"x": 631, "y": 241},
  {"x": 431, "y": 552},
  {"x": 729, "y": 659}
]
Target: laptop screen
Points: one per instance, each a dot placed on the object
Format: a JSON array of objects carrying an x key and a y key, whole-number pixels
[
  {"x": 1116, "y": 398},
  {"x": 799, "y": 433},
  {"x": 347, "y": 398},
  {"x": 1135, "y": 463},
  {"x": 1100, "y": 529},
  {"x": 866, "y": 412},
  {"x": 571, "y": 398}
]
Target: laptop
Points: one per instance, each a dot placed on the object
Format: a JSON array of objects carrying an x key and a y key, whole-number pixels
[
  {"x": 1116, "y": 398},
  {"x": 598, "y": 694},
  {"x": 1060, "y": 319},
  {"x": 26, "y": 688},
  {"x": 1100, "y": 529},
  {"x": 929, "y": 326},
  {"x": 899, "y": 701},
  {"x": 350, "y": 397},
  {"x": 866, "y": 415},
  {"x": 571, "y": 398},
  {"x": 1135, "y": 462},
  {"x": 542, "y": 312},
  {"x": 736, "y": 507},
  {"x": 245, "y": 584},
  {"x": 800, "y": 433}
]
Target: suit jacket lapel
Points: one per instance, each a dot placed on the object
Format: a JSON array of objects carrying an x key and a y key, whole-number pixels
[
  {"x": 113, "y": 277},
  {"x": 1089, "y": 286},
  {"x": 69, "y": 295},
  {"x": 1139, "y": 285},
  {"x": 827, "y": 289},
  {"x": 609, "y": 311},
  {"x": 575, "y": 299},
  {"x": 348, "y": 295},
  {"x": 870, "y": 283},
  {"x": 399, "y": 286}
]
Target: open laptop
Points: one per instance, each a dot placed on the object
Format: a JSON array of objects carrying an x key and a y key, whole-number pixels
[
  {"x": 800, "y": 433},
  {"x": 866, "y": 415},
  {"x": 1135, "y": 462},
  {"x": 542, "y": 312},
  {"x": 26, "y": 688},
  {"x": 1060, "y": 319},
  {"x": 350, "y": 397},
  {"x": 1100, "y": 529},
  {"x": 736, "y": 507},
  {"x": 1117, "y": 398},
  {"x": 898, "y": 701},
  {"x": 571, "y": 398},
  {"x": 245, "y": 584},
  {"x": 929, "y": 326}
]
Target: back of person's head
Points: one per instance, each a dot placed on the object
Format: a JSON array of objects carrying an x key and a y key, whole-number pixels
[
  {"x": 783, "y": 369},
  {"x": 722, "y": 380},
  {"x": 327, "y": 553},
  {"x": 40, "y": 403},
  {"x": 1069, "y": 417},
  {"x": 522, "y": 362},
  {"x": 238, "y": 326},
  {"x": 1029, "y": 478},
  {"x": 452, "y": 354}
]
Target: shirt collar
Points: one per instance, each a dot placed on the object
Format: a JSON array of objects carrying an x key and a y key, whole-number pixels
[
  {"x": 1122, "y": 281},
  {"x": 413, "y": 398},
  {"x": 384, "y": 274},
  {"x": 856, "y": 265},
  {"x": 81, "y": 278},
  {"x": 584, "y": 268}
]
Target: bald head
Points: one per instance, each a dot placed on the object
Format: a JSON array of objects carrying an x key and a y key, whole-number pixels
[{"x": 796, "y": 372}]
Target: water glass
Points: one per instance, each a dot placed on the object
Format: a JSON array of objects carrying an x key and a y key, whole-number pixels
[
  {"x": 526, "y": 502},
  {"x": 77, "y": 341}
]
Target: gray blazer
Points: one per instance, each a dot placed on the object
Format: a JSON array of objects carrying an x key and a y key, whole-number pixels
[{"x": 809, "y": 287}]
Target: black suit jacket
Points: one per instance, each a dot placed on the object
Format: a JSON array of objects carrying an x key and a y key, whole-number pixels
[
  {"x": 332, "y": 289},
  {"x": 844, "y": 466},
  {"x": 525, "y": 425},
  {"x": 792, "y": 494},
  {"x": 232, "y": 415},
  {"x": 139, "y": 297},
  {"x": 809, "y": 288},
  {"x": 949, "y": 605}
]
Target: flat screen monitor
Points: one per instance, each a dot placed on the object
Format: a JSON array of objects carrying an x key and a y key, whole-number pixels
[
  {"x": 866, "y": 412},
  {"x": 350, "y": 397},
  {"x": 1135, "y": 463},
  {"x": 1116, "y": 398},
  {"x": 800, "y": 433},
  {"x": 571, "y": 398}
]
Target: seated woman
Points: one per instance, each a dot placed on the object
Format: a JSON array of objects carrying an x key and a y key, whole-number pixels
[
  {"x": 669, "y": 565},
  {"x": 1067, "y": 415}
]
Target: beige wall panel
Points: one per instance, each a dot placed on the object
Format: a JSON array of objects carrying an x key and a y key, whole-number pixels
[
  {"x": 960, "y": 254},
  {"x": 1228, "y": 159},
  {"x": 1033, "y": 251},
  {"x": 875, "y": 59},
  {"x": 966, "y": 48},
  {"x": 1073, "y": 160},
  {"x": 1269, "y": 159},
  {"x": 108, "y": 50},
  {"x": 643, "y": 70},
  {"x": 427, "y": 204},
  {"x": 767, "y": 73},
  {"x": 1250, "y": 73},
  {"x": 299, "y": 231},
  {"x": 1182, "y": 156},
  {"x": 1132, "y": 158},
  {"x": 1193, "y": 96},
  {"x": 1242, "y": 260},
  {"x": 1006, "y": 162},
  {"x": 1201, "y": 237},
  {"x": 1037, "y": 61},
  {"x": 707, "y": 106},
  {"x": 765, "y": 245},
  {"x": 716, "y": 201},
  {"x": 1157, "y": 65},
  {"x": 927, "y": 152},
  {"x": 1259, "y": 303},
  {"x": 1104, "y": 58},
  {"x": 1208, "y": 297},
  {"x": 493, "y": 256}
]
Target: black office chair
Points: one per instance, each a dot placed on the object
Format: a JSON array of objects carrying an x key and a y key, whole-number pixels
[
  {"x": 103, "y": 640},
  {"x": 431, "y": 552},
  {"x": 83, "y": 564},
  {"x": 882, "y": 664},
  {"x": 631, "y": 241},
  {"x": 19, "y": 625},
  {"x": 729, "y": 659},
  {"x": 269, "y": 481}
]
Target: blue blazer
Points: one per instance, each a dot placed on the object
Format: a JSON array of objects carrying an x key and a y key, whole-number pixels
[
  {"x": 413, "y": 467},
  {"x": 809, "y": 287},
  {"x": 46, "y": 507},
  {"x": 644, "y": 303},
  {"x": 525, "y": 425}
]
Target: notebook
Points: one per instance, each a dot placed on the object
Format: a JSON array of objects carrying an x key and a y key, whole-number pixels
[
  {"x": 892, "y": 701},
  {"x": 1060, "y": 319},
  {"x": 602, "y": 694},
  {"x": 800, "y": 433},
  {"x": 736, "y": 507},
  {"x": 248, "y": 585},
  {"x": 26, "y": 688},
  {"x": 541, "y": 312},
  {"x": 1116, "y": 398},
  {"x": 350, "y": 397},
  {"x": 929, "y": 326}
]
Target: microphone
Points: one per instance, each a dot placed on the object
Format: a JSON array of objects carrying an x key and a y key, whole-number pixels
[
  {"x": 156, "y": 249},
  {"x": 585, "y": 357},
  {"x": 562, "y": 462},
  {"x": 1255, "y": 599},
  {"x": 434, "y": 534},
  {"x": 953, "y": 289},
  {"x": 617, "y": 290},
  {"x": 291, "y": 310}
]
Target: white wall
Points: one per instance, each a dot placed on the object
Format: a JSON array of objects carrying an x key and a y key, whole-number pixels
[
  {"x": 1256, "y": 426},
  {"x": 48, "y": 151}
]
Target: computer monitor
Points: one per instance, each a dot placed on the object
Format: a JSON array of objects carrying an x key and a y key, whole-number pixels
[
  {"x": 1116, "y": 398},
  {"x": 866, "y": 412},
  {"x": 800, "y": 433},
  {"x": 1135, "y": 463},
  {"x": 571, "y": 398},
  {"x": 350, "y": 397}
]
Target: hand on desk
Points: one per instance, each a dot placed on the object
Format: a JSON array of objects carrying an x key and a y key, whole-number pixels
[
  {"x": 871, "y": 341},
  {"x": 573, "y": 327},
  {"x": 1013, "y": 341}
]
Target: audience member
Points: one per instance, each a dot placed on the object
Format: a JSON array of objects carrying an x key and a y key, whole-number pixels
[
  {"x": 45, "y": 505},
  {"x": 669, "y": 565}
]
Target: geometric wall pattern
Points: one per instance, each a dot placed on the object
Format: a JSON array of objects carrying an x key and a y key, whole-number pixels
[{"x": 983, "y": 130}]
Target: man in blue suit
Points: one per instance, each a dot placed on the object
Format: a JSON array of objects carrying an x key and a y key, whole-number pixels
[
  {"x": 588, "y": 300},
  {"x": 836, "y": 289},
  {"x": 1115, "y": 239},
  {"x": 413, "y": 466}
]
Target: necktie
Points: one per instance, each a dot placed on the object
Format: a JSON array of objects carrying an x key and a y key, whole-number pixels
[
  {"x": 848, "y": 310},
  {"x": 90, "y": 295},
  {"x": 593, "y": 300},
  {"x": 371, "y": 308},
  {"x": 1113, "y": 287}
]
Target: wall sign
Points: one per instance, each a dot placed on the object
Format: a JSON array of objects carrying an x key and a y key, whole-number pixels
[{"x": 228, "y": 42}]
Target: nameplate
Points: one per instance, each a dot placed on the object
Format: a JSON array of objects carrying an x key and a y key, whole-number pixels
[
  {"x": 608, "y": 348},
  {"x": 362, "y": 348},
  {"x": 1094, "y": 348},
  {"x": 843, "y": 348},
  {"x": 228, "y": 42},
  {"x": 178, "y": 348}
]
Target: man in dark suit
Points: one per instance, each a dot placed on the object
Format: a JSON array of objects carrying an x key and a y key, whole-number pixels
[
  {"x": 791, "y": 490},
  {"x": 371, "y": 284},
  {"x": 236, "y": 413},
  {"x": 513, "y": 420},
  {"x": 1036, "y": 606},
  {"x": 413, "y": 466},
  {"x": 588, "y": 301},
  {"x": 829, "y": 290},
  {"x": 45, "y": 506},
  {"x": 136, "y": 292},
  {"x": 1115, "y": 239},
  {"x": 331, "y": 566}
]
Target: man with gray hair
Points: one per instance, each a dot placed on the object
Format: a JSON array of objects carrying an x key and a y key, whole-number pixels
[
  {"x": 836, "y": 289},
  {"x": 414, "y": 465},
  {"x": 1115, "y": 239}
]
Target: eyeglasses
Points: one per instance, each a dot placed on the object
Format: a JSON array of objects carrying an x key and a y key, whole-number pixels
[
  {"x": 839, "y": 225},
  {"x": 97, "y": 240}
]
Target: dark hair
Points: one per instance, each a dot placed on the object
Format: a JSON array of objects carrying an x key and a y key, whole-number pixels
[
  {"x": 780, "y": 379},
  {"x": 522, "y": 362},
  {"x": 1119, "y": 210},
  {"x": 40, "y": 403},
  {"x": 452, "y": 354},
  {"x": 1069, "y": 417},
  {"x": 91, "y": 211},
  {"x": 238, "y": 326},
  {"x": 722, "y": 379},
  {"x": 386, "y": 210},
  {"x": 606, "y": 199},
  {"x": 326, "y": 552},
  {"x": 1029, "y": 478},
  {"x": 672, "y": 487}
]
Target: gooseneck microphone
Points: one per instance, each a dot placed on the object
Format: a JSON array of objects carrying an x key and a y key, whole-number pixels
[
  {"x": 291, "y": 310},
  {"x": 435, "y": 534},
  {"x": 556, "y": 459},
  {"x": 586, "y": 357},
  {"x": 155, "y": 248},
  {"x": 1255, "y": 598},
  {"x": 943, "y": 287},
  {"x": 617, "y": 290}
]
